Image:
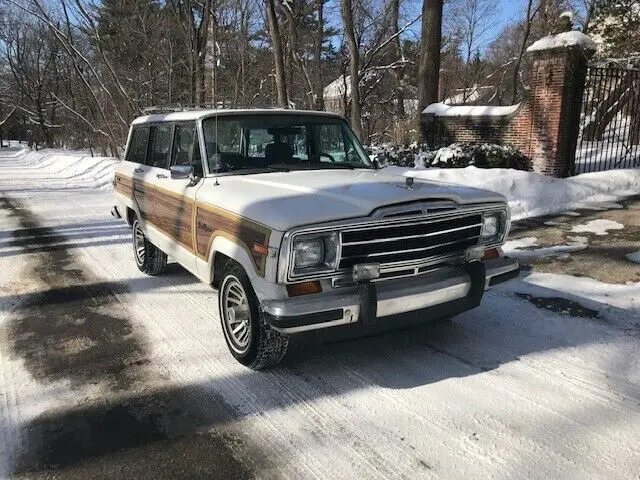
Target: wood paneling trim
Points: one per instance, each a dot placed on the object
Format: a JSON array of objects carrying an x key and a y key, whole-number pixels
[{"x": 202, "y": 222}]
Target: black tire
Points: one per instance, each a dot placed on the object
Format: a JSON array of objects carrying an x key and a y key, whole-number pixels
[
  {"x": 263, "y": 346},
  {"x": 149, "y": 258}
]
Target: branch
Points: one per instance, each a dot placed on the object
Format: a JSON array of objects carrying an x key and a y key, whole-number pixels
[
  {"x": 82, "y": 117},
  {"x": 8, "y": 116}
]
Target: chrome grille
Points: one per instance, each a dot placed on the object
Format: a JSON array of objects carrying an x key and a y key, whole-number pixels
[{"x": 413, "y": 241}]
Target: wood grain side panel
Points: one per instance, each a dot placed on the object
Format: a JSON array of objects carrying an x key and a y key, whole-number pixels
[
  {"x": 172, "y": 215},
  {"x": 124, "y": 185},
  {"x": 212, "y": 222}
]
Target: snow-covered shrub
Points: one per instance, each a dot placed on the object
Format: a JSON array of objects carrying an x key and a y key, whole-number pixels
[
  {"x": 456, "y": 155},
  {"x": 417, "y": 155}
]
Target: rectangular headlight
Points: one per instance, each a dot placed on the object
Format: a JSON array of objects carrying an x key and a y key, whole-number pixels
[
  {"x": 493, "y": 227},
  {"x": 308, "y": 252},
  {"x": 315, "y": 253}
]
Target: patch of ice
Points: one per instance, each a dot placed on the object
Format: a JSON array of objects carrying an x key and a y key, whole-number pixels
[
  {"x": 633, "y": 257},
  {"x": 599, "y": 226},
  {"x": 563, "y": 40}
]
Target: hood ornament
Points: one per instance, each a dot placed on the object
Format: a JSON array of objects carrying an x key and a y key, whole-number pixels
[{"x": 409, "y": 183}]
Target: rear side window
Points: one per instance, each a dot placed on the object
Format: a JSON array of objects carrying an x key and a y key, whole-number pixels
[
  {"x": 186, "y": 149},
  {"x": 137, "y": 151},
  {"x": 160, "y": 145}
]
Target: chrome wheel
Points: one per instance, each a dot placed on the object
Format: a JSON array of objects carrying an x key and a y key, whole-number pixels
[
  {"x": 236, "y": 316},
  {"x": 138, "y": 244}
]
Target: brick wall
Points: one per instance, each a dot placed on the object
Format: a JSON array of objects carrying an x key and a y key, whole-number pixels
[{"x": 544, "y": 127}]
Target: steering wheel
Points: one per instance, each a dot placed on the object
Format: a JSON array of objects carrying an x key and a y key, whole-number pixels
[{"x": 329, "y": 156}]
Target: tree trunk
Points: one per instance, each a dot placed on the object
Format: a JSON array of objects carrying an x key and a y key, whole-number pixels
[
  {"x": 429, "y": 60},
  {"x": 354, "y": 67},
  {"x": 278, "y": 58},
  {"x": 319, "y": 84}
]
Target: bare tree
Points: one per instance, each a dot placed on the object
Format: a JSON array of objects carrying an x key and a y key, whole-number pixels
[
  {"x": 354, "y": 66},
  {"x": 278, "y": 55},
  {"x": 429, "y": 60}
]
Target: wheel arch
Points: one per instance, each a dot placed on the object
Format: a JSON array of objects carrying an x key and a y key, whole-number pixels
[{"x": 224, "y": 249}]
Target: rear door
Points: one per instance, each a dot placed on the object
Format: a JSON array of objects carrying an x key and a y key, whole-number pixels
[
  {"x": 155, "y": 167},
  {"x": 175, "y": 205}
]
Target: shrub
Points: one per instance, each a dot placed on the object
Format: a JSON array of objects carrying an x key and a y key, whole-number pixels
[{"x": 456, "y": 155}]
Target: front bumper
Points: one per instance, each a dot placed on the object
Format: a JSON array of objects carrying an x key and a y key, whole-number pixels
[{"x": 439, "y": 293}]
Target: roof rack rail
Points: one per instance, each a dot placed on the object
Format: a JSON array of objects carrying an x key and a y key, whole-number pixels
[{"x": 205, "y": 106}]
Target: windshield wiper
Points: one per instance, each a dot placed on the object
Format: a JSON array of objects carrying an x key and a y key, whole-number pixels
[{"x": 330, "y": 165}]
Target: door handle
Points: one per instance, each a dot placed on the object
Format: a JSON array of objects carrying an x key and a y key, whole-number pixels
[
  {"x": 161, "y": 175},
  {"x": 138, "y": 170}
]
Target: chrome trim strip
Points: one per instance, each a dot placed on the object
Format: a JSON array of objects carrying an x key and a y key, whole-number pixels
[{"x": 393, "y": 239}]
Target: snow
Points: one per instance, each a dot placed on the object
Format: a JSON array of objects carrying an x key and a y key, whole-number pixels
[
  {"x": 599, "y": 226},
  {"x": 516, "y": 248},
  {"x": 563, "y": 40},
  {"x": 633, "y": 257},
  {"x": 530, "y": 194},
  {"x": 508, "y": 390},
  {"x": 443, "y": 110}
]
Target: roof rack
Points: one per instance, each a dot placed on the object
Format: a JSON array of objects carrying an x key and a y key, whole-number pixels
[
  {"x": 205, "y": 106},
  {"x": 174, "y": 108}
]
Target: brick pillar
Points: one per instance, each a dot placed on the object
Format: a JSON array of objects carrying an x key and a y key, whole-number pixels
[{"x": 557, "y": 84}]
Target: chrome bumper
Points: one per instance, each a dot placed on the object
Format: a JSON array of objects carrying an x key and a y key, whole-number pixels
[{"x": 442, "y": 292}]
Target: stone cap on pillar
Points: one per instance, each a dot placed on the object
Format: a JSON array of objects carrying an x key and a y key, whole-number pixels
[{"x": 572, "y": 40}]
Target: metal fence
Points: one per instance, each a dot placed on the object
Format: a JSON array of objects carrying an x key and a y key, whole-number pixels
[{"x": 610, "y": 121}]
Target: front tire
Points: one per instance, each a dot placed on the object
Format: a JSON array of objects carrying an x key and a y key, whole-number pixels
[
  {"x": 149, "y": 258},
  {"x": 251, "y": 341}
]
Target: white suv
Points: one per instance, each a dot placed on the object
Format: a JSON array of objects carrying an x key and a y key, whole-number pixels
[{"x": 286, "y": 215}]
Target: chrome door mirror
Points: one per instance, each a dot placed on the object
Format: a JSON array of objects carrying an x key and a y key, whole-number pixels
[{"x": 181, "y": 171}]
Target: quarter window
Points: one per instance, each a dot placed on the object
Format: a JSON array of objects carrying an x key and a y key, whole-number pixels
[
  {"x": 137, "y": 151},
  {"x": 160, "y": 145}
]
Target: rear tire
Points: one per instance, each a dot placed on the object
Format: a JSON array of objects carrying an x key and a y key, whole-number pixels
[
  {"x": 149, "y": 258},
  {"x": 251, "y": 341}
]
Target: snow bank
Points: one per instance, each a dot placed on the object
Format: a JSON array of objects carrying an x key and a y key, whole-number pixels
[
  {"x": 444, "y": 110},
  {"x": 562, "y": 40},
  {"x": 67, "y": 169},
  {"x": 530, "y": 194}
]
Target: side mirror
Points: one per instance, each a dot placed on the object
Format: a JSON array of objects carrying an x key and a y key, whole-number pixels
[
  {"x": 181, "y": 171},
  {"x": 376, "y": 164}
]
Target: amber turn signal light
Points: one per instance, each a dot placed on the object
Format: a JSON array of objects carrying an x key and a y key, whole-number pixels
[
  {"x": 304, "y": 288},
  {"x": 490, "y": 254}
]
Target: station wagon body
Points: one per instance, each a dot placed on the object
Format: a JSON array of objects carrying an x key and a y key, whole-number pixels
[{"x": 286, "y": 215}]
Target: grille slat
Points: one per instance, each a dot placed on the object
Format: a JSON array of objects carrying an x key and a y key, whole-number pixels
[{"x": 410, "y": 241}]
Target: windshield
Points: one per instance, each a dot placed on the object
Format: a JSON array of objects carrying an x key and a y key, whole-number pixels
[{"x": 255, "y": 143}]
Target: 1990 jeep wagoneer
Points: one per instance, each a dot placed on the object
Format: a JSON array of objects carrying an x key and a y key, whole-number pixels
[{"x": 284, "y": 213}]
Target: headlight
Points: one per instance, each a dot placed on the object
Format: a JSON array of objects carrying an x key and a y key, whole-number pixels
[
  {"x": 493, "y": 227},
  {"x": 315, "y": 253},
  {"x": 308, "y": 253}
]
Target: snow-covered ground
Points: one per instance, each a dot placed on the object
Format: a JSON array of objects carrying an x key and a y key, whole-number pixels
[{"x": 105, "y": 372}]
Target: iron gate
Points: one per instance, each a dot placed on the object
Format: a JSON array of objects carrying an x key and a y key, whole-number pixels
[{"x": 609, "y": 121}]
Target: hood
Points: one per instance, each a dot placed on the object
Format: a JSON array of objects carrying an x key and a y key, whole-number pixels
[{"x": 284, "y": 200}]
